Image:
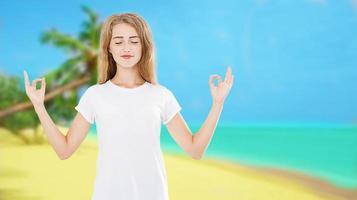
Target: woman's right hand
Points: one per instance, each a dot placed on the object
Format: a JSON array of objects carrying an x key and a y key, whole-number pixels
[{"x": 37, "y": 96}]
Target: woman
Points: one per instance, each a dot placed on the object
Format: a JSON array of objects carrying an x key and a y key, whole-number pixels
[{"x": 128, "y": 106}]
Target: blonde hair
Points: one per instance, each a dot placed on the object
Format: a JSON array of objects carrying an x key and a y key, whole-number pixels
[{"x": 106, "y": 63}]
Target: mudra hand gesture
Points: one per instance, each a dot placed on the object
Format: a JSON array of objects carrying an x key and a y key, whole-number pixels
[
  {"x": 220, "y": 92},
  {"x": 36, "y": 96}
]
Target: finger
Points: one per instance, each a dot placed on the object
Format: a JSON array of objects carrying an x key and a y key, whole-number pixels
[
  {"x": 211, "y": 79},
  {"x": 228, "y": 76},
  {"x": 216, "y": 76},
  {"x": 43, "y": 84},
  {"x": 34, "y": 82},
  {"x": 26, "y": 77},
  {"x": 219, "y": 80}
]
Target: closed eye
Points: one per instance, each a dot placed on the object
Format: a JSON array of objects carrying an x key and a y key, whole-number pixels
[{"x": 131, "y": 42}]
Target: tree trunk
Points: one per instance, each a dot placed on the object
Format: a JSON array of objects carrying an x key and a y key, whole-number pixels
[{"x": 26, "y": 105}]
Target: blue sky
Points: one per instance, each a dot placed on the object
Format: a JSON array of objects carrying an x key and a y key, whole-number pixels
[{"x": 293, "y": 61}]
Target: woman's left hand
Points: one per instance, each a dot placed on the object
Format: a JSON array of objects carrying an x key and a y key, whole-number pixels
[{"x": 220, "y": 92}]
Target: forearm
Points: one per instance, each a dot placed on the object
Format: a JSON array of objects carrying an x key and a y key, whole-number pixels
[
  {"x": 55, "y": 137},
  {"x": 204, "y": 135}
]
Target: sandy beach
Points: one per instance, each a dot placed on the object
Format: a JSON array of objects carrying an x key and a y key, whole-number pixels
[{"x": 35, "y": 172}]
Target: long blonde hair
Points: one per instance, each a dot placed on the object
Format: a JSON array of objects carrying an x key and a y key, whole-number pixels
[{"x": 106, "y": 63}]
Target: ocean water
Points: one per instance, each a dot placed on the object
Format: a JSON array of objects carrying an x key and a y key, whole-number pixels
[{"x": 327, "y": 152}]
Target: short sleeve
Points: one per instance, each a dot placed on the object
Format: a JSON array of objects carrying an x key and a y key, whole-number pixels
[
  {"x": 85, "y": 106},
  {"x": 171, "y": 106}
]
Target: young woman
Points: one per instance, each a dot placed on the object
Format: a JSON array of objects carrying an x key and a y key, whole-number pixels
[{"x": 129, "y": 106}]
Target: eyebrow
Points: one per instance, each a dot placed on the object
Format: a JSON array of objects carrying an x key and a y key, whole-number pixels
[{"x": 121, "y": 37}]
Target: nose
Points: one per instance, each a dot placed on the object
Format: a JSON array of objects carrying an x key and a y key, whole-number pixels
[{"x": 126, "y": 47}]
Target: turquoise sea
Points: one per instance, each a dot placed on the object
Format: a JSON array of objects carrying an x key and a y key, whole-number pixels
[{"x": 327, "y": 152}]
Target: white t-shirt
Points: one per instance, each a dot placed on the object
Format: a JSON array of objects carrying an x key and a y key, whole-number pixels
[{"x": 130, "y": 163}]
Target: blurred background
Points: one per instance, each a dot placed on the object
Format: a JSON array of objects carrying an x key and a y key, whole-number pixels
[{"x": 289, "y": 125}]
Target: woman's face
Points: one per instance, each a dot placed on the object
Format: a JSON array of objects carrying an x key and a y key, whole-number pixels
[{"x": 125, "y": 45}]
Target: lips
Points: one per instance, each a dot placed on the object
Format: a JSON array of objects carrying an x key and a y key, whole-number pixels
[{"x": 126, "y": 56}]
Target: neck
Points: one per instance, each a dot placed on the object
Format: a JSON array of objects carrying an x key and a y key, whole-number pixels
[{"x": 128, "y": 77}]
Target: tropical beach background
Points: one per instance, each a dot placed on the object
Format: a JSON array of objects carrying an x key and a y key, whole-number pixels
[{"x": 288, "y": 129}]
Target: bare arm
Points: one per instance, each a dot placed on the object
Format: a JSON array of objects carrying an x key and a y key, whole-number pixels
[
  {"x": 195, "y": 145},
  {"x": 64, "y": 145}
]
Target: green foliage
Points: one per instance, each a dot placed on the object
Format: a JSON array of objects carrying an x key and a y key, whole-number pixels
[
  {"x": 67, "y": 72},
  {"x": 11, "y": 93},
  {"x": 62, "y": 107},
  {"x": 91, "y": 29},
  {"x": 64, "y": 41},
  {"x": 9, "y": 90},
  {"x": 82, "y": 62}
]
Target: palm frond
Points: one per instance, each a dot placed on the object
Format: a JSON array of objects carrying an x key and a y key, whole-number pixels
[
  {"x": 64, "y": 41},
  {"x": 69, "y": 70},
  {"x": 91, "y": 29}
]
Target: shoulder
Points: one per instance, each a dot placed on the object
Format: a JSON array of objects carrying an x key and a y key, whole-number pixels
[
  {"x": 96, "y": 87},
  {"x": 162, "y": 89},
  {"x": 91, "y": 90}
]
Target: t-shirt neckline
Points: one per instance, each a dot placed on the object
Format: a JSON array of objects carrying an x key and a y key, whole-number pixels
[{"x": 127, "y": 89}]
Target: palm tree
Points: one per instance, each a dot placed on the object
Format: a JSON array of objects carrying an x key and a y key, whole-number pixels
[{"x": 79, "y": 70}]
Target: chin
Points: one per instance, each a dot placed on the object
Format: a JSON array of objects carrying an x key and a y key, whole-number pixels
[{"x": 127, "y": 65}]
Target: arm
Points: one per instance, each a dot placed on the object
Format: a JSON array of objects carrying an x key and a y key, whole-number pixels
[
  {"x": 64, "y": 145},
  {"x": 195, "y": 145}
]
